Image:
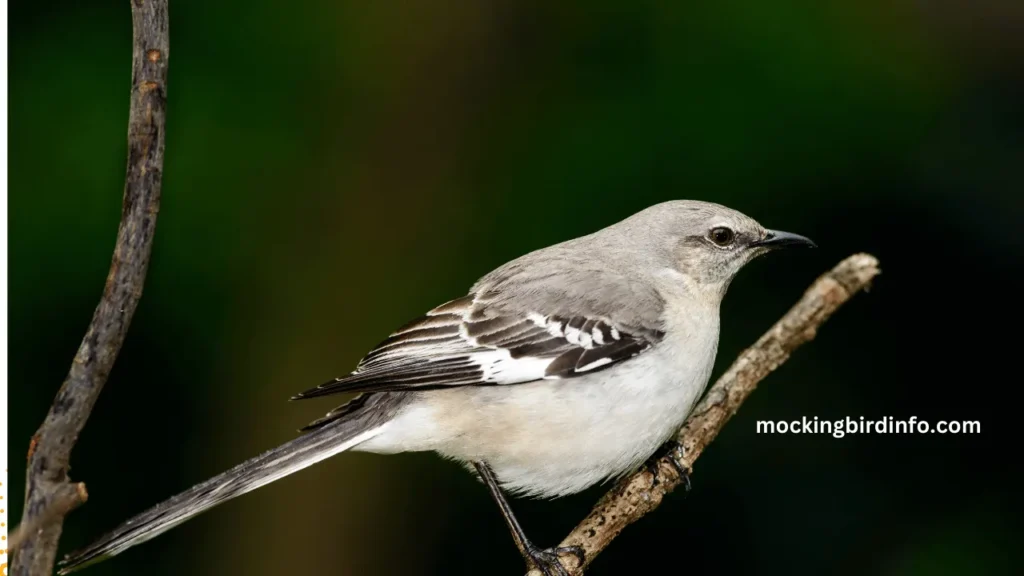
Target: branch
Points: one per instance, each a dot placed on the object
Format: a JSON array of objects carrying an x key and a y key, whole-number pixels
[
  {"x": 638, "y": 494},
  {"x": 66, "y": 498},
  {"x": 49, "y": 453}
]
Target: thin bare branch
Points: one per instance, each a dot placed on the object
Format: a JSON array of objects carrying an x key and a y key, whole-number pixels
[
  {"x": 47, "y": 484},
  {"x": 639, "y": 494}
]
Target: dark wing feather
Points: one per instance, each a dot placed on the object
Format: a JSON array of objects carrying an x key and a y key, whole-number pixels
[{"x": 467, "y": 342}]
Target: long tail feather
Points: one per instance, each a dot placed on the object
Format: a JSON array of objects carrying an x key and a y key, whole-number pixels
[{"x": 286, "y": 459}]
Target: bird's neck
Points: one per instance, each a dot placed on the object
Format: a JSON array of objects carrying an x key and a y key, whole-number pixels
[{"x": 683, "y": 289}]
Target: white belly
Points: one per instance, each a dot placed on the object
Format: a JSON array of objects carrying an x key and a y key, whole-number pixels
[{"x": 556, "y": 437}]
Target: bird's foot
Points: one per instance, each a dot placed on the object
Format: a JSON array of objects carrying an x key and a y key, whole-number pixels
[
  {"x": 674, "y": 451},
  {"x": 547, "y": 560}
]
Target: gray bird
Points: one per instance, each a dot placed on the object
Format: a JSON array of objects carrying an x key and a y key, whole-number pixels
[{"x": 561, "y": 369}]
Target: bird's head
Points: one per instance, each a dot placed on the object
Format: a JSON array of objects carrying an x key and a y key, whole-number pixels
[{"x": 705, "y": 245}]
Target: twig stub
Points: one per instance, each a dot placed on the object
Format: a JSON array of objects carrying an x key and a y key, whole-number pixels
[{"x": 66, "y": 497}]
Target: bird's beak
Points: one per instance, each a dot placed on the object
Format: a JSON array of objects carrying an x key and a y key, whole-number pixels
[{"x": 777, "y": 239}]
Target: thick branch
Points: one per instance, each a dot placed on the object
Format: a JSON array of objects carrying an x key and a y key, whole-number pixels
[
  {"x": 49, "y": 453},
  {"x": 637, "y": 495}
]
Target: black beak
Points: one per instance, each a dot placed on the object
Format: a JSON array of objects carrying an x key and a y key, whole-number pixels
[{"x": 777, "y": 239}]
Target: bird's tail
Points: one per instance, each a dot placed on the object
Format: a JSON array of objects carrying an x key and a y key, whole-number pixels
[{"x": 316, "y": 445}]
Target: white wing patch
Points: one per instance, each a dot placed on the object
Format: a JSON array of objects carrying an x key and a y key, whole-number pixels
[{"x": 501, "y": 368}]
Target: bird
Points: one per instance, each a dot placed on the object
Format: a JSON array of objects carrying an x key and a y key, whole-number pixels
[{"x": 566, "y": 367}]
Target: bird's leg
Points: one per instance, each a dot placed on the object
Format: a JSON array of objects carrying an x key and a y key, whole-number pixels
[
  {"x": 545, "y": 560},
  {"x": 674, "y": 451}
]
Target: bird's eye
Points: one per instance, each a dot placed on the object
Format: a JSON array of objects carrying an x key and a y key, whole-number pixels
[{"x": 722, "y": 236}]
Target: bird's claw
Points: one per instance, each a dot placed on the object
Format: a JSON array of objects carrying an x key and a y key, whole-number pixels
[
  {"x": 674, "y": 451},
  {"x": 548, "y": 560}
]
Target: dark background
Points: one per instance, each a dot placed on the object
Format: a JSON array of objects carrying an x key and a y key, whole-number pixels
[{"x": 333, "y": 169}]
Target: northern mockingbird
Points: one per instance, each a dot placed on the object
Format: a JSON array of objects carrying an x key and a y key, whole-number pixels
[{"x": 566, "y": 367}]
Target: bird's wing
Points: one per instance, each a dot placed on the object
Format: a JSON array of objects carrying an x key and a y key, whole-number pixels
[{"x": 480, "y": 340}]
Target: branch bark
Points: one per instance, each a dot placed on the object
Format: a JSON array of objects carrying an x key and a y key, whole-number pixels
[
  {"x": 638, "y": 494},
  {"x": 65, "y": 498},
  {"x": 49, "y": 494}
]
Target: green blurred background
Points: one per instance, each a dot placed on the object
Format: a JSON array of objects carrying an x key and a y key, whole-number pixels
[{"x": 333, "y": 169}]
